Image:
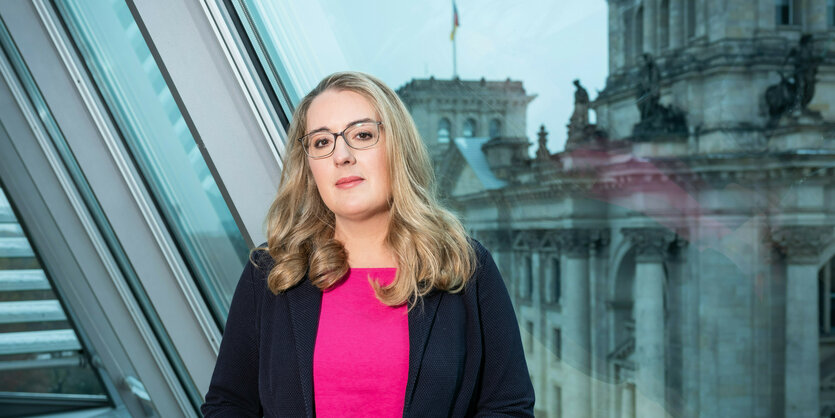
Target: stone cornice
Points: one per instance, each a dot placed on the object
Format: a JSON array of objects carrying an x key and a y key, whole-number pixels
[
  {"x": 799, "y": 243},
  {"x": 576, "y": 242},
  {"x": 687, "y": 172}
]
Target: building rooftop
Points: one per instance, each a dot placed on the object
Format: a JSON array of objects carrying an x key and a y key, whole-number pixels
[{"x": 458, "y": 85}]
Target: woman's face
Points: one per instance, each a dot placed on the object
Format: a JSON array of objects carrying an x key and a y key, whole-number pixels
[{"x": 354, "y": 184}]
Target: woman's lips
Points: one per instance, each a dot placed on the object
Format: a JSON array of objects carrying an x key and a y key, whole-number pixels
[{"x": 348, "y": 182}]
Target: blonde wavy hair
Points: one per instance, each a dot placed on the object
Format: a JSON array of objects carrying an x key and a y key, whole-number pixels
[{"x": 429, "y": 243}]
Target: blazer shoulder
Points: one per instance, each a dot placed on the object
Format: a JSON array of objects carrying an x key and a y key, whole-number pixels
[
  {"x": 261, "y": 261},
  {"x": 482, "y": 255}
]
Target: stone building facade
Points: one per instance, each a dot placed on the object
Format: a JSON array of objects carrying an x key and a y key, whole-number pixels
[{"x": 677, "y": 258}]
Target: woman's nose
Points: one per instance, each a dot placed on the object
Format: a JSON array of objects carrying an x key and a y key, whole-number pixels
[{"x": 342, "y": 153}]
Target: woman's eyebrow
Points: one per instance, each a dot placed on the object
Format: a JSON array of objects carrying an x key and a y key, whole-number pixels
[{"x": 323, "y": 128}]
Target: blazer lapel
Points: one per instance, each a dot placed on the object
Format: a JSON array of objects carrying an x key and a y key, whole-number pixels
[
  {"x": 305, "y": 303},
  {"x": 421, "y": 319}
]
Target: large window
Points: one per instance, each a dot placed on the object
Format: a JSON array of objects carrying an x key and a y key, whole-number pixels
[
  {"x": 495, "y": 128},
  {"x": 687, "y": 227},
  {"x": 162, "y": 144},
  {"x": 444, "y": 130},
  {"x": 688, "y": 224},
  {"x": 32, "y": 282},
  {"x": 469, "y": 128}
]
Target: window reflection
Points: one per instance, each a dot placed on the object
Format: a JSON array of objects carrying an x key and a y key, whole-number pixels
[
  {"x": 444, "y": 130},
  {"x": 160, "y": 141},
  {"x": 495, "y": 128},
  {"x": 469, "y": 128},
  {"x": 681, "y": 228}
]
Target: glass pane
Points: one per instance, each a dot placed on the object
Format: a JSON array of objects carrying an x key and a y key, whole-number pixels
[
  {"x": 94, "y": 207},
  {"x": 39, "y": 350},
  {"x": 688, "y": 200},
  {"x": 156, "y": 134}
]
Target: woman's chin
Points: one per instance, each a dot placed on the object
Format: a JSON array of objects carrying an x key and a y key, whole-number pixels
[{"x": 359, "y": 212}]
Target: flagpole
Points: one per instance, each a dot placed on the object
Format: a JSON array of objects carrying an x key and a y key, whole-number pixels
[
  {"x": 454, "y": 51},
  {"x": 454, "y": 60}
]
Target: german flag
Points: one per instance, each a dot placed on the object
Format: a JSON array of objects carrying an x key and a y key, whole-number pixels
[{"x": 455, "y": 23}]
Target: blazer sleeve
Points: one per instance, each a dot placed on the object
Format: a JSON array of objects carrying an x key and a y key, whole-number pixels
[
  {"x": 233, "y": 391},
  {"x": 505, "y": 386}
]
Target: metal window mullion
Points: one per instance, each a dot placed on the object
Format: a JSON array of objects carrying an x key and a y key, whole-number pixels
[
  {"x": 131, "y": 177},
  {"x": 80, "y": 212},
  {"x": 50, "y": 54},
  {"x": 220, "y": 22},
  {"x": 195, "y": 49}
]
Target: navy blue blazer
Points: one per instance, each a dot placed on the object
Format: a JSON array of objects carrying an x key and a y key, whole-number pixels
[{"x": 465, "y": 351}]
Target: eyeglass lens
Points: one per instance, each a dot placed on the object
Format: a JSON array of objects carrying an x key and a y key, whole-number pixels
[{"x": 359, "y": 136}]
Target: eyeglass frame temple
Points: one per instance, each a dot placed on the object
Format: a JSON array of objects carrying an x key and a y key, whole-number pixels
[{"x": 337, "y": 135}]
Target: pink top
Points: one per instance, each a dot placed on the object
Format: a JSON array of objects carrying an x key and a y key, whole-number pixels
[{"x": 361, "y": 354}]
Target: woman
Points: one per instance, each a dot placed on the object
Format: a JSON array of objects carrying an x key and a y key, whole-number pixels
[{"x": 368, "y": 298}]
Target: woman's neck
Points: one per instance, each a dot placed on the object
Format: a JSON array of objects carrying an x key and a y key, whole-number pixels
[{"x": 365, "y": 241}]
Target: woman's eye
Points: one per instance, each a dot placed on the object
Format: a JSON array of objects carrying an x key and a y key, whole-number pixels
[
  {"x": 320, "y": 142},
  {"x": 363, "y": 135}
]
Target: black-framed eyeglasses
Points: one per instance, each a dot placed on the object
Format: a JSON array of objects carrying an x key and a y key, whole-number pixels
[{"x": 361, "y": 135}]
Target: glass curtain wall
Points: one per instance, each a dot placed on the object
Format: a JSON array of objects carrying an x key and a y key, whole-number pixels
[
  {"x": 27, "y": 282},
  {"x": 161, "y": 143}
]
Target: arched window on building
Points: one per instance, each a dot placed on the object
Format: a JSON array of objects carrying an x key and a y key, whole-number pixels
[
  {"x": 495, "y": 128},
  {"x": 691, "y": 18},
  {"x": 786, "y": 12},
  {"x": 444, "y": 130},
  {"x": 469, "y": 128},
  {"x": 664, "y": 24}
]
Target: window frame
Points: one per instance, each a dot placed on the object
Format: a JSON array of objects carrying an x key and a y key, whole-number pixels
[
  {"x": 189, "y": 60},
  {"x": 127, "y": 346}
]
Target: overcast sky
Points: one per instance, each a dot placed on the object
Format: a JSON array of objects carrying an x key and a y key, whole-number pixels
[{"x": 544, "y": 43}]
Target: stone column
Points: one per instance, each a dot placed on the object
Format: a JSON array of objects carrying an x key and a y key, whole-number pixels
[
  {"x": 627, "y": 398},
  {"x": 599, "y": 320},
  {"x": 539, "y": 353},
  {"x": 650, "y": 27},
  {"x": 576, "y": 330},
  {"x": 651, "y": 246},
  {"x": 801, "y": 246},
  {"x": 676, "y": 24}
]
